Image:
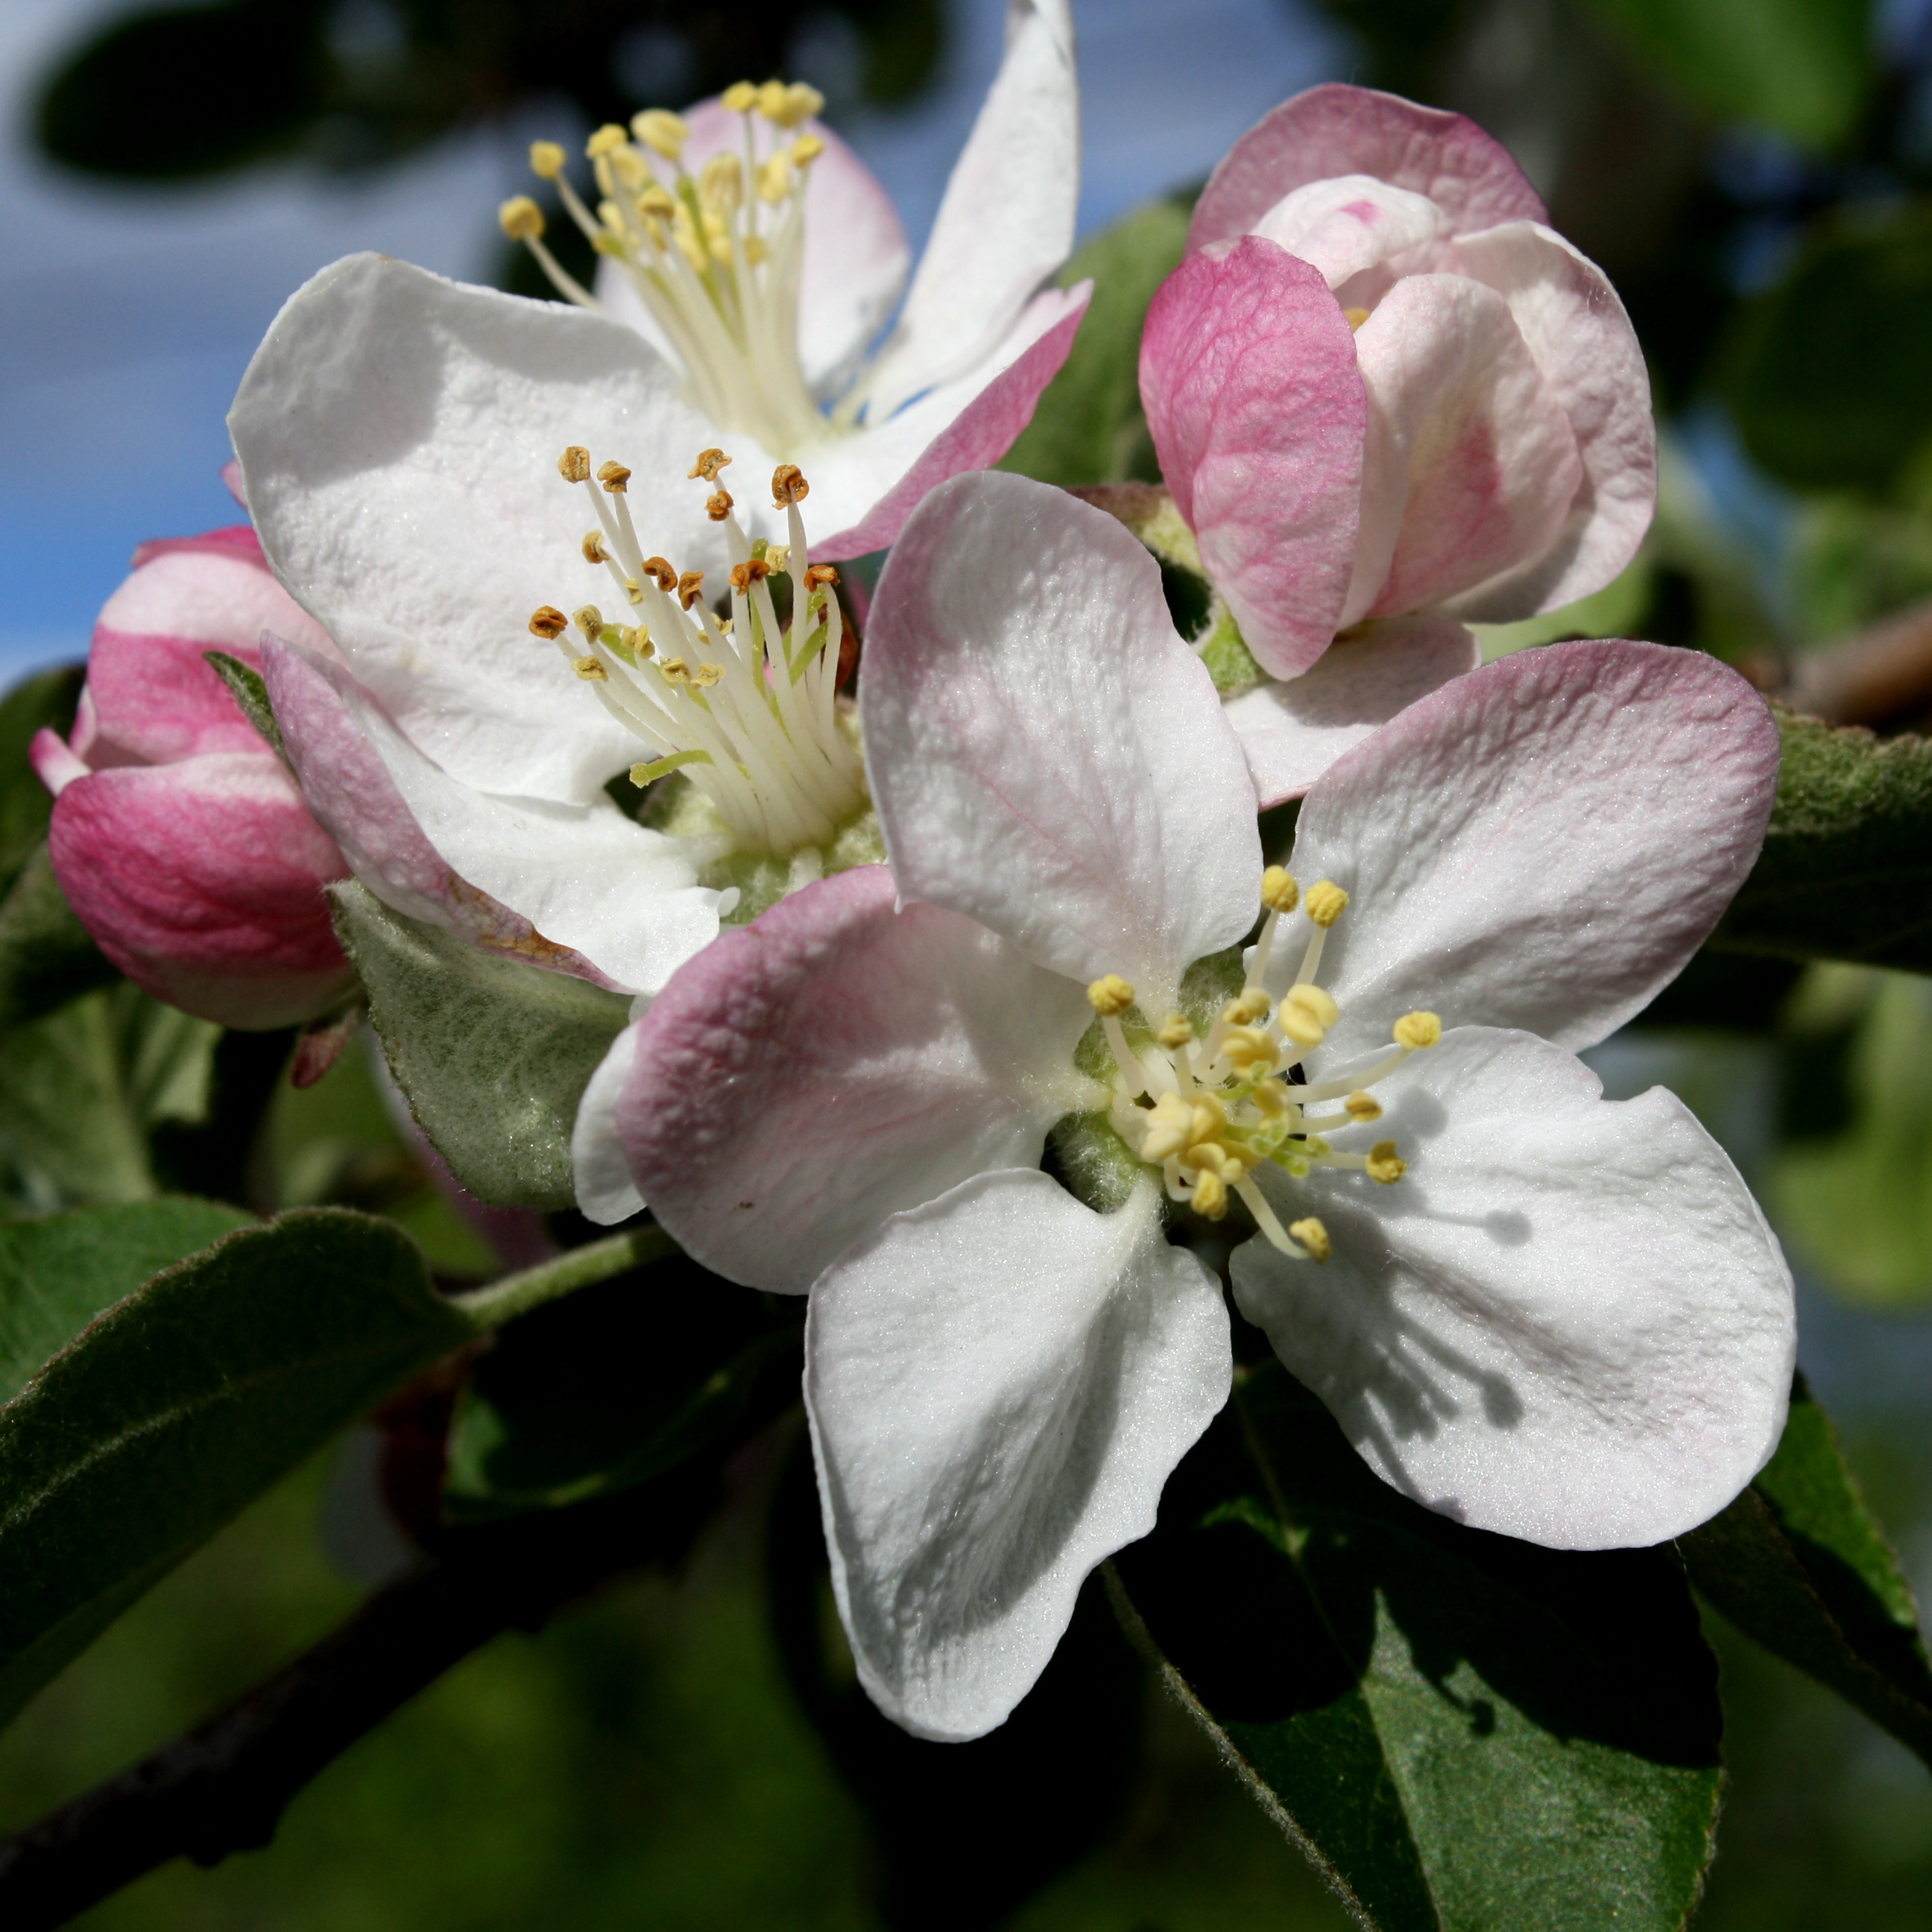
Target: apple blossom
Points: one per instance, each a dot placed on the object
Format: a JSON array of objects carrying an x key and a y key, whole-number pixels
[
  {"x": 177, "y": 835},
  {"x": 1379, "y": 384},
  {"x": 1532, "y": 1308}
]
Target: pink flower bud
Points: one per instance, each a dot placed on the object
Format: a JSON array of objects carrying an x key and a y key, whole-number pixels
[{"x": 178, "y": 835}]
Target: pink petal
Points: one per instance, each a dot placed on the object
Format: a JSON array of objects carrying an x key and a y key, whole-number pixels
[
  {"x": 233, "y": 540},
  {"x": 1257, "y": 412},
  {"x": 836, "y": 1062},
  {"x": 55, "y": 764},
  {"x": 1350, "y": 224},
  {"x": 1471, "y": 466},
  {"x": 1292, "y": 731},
  {"x": 1339, "y": 129},
  {"x": 201, "y": 881}
]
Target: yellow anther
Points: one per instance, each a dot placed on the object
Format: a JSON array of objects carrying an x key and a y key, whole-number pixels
[
  {"x": 1325, "y": 902},
  {"x": 522, "y": 219},
  {"x": 1176, "y": 1032},
  {"x": 1385, "y": 1164},
  {"x": 1362, "y": 1107},
  {"x": 657, "y": 203},
  {"x": 1279, "y": 889},
  {"x": 1210, "y": 1195},
  {"x": 614, "y": 477},
  {"x": 610, "y": 215},
  {"x": 717, "y": 507},
  {"x": 546, "y": 160},
  {"x": 630, "y": 167},
  {"x": 755, "y": 250},
  {"x": 690, "y": 588},
  {"x": 676, "y": 671},
  {"x": 1355, "y": 317},
  {"x": 1417, "y": 1030},
  {"x": 772, "y": 99},
  {"x": 706, "y": 675},
  {"x": 753, "y": 570},
  {"x": 1313, "y": 1236},
  {"x": 1245, "y": 1047},
  {"x": 1110, "y": 996},
  {"x": 589, "y": 620},
  {"x": 1246, "y": 1007},
  {"x": 594, "y": 551},
  {"x": 1210, "y": 1157},
  {"x": 806, "y": 150},
  {"x": 741, "y": 97},
  {"x": 573, "y": 465},
  {"x": 778, "y": 557},
  {"x": 818, "y": 574},
  {"x": 1208, "y": 1118},
  {"x": 662, "y": 130},
  {"x": 1165, "y": 1129},
  {"x": 788, "y": 485},
  {"x": 607, "y": 140},
  {"x": 801, "y": 103},
  {"x": 590, "y": 670},
  {"x": 1270, "y": 1100},
  {"x": 721, "y": 182},
  {"x": 548, "y": 621},
  {"x": 775, "y": 178},
  {"x": 1307, "y": 1014},
  {"x": 709, "y": 462},
  {"x": 659, "y": 570}
]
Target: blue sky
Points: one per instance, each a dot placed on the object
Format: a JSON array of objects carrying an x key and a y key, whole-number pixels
[{"x": 127, "y": 317}]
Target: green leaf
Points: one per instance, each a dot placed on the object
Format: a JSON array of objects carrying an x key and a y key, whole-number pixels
[
  {"x": 1800, "y": 1563},
  {"x": 492, "y": 1055},
  {"x": 1089, "y": 427},
  {"x": 47, "y": 957},
  {"x": 249, "y": 689},
  {"x": 57, "y": 1274},
  {"x": 615, "y": 1385},
  {"x": 1824, "y": 372},
  {"x": 183, "y": 1401},
  {"x": 1460, "y": 1730},
  {"x": 1801, "y": 66},
  {"x": 46, "y": 702},
  {"x": 1847, "y": 869}
]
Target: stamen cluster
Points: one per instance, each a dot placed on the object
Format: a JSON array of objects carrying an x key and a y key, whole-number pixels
[
  {"x": 746, "y": 707},
  {"x": 716, "y": 252},
  {"x": 1208, "y": 1113}
]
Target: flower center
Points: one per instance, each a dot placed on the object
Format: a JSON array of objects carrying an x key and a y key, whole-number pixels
[
  {"x": 716, "y": 254},
  {"x": 746, "y": 707},
  {"x": 1208, "y": 1113}
]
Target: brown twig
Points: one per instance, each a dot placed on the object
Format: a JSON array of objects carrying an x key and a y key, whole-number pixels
[{"x": 1882, "y": 675}]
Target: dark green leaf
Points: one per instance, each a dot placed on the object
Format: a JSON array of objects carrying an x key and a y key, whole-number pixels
[
  {"x": 1460, "y": 1730},
  {"x": 57, "y": 1274},
  {"x": 493, "y": 1055},
  {"x": 1801, "y": 66},
  {"x": 185, "y": 1401},
  {"x": 1847, "y": 869},
  {"x": 1089, "y": 427},
  {"x": 1799, "y": 1563},
  {"x": 47, "y": 957},
  {"x": 249, "y": 690},
  {"x": 615, "y": 1385},
  {"x": 46, "y": 702},
  {"x": 1825, "y": 373}
]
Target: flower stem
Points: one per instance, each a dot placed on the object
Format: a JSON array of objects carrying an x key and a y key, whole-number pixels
[{"x": 515, "y": 1294}]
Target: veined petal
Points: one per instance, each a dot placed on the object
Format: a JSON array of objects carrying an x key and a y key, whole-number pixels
[
  {"x": 600, "y": 1172},
  {"x": 1007, "y": 221},
  {"x": 1000, "y": 1383},
  {"x": 1542, "y": 844},
  {"x": 1568, "y": 1322},
  {"x": 835, "y": 1063},
  {"x": 1350, "y": 223},
  {"x": 1336, "y": 129},
  {"x": 1293, "y": 731},
  {"x": 1471, "y": 467},
  {"x": 400, "y": 435},
  {"x": 1257, "y": 412},
  {"x": 580, "y": 890},
  {"x": 864, "y": 486},
  {"x": 1045, "y": 754},
  {"x": 1583, "y": 344}
]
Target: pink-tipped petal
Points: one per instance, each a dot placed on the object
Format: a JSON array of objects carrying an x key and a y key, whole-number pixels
[
  {"x": 1471, "y": 467},
  {"x": 1257, "y": 411},
  {"x": 1347, "y": 226},
  {"x": 968, "y": 425},
  {"x": 1339, "y": 129},
  {"x": 836, "y": 1062},
  {"x": 55, "y": 764},
  {"x": 201, "y": 881},
  {"x": 1582, "y": 343},
  {"x": 1293, "y": 731},
  {"x": 1046, "y": 755},
  {"x": 1541, "y": 844}
]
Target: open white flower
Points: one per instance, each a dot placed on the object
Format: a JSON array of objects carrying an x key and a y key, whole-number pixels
[{"x": 1540, "y": 1312}]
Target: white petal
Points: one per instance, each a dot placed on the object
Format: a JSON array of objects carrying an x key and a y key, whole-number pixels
[
  {"x": 1349, "y": 223},
  {"x": 1542, "y": 844},
  {"x": 1293, "y": 731},
  {"x": 1007, "y": 221},
  {"x": 1046, "y": 754},
  {"x": 1568, "y": 1322},
  {"x": 400, "y": 435},
  {"x": 999, "y": 1384},
  {"x": 605, "y": 1191}
]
